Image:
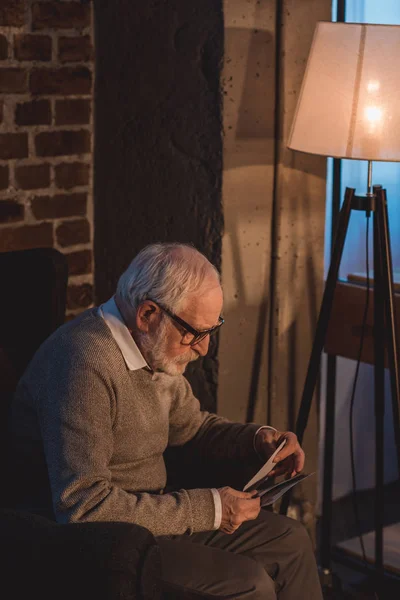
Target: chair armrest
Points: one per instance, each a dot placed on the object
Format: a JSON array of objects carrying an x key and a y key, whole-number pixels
[{"x": 77, "y": 561}]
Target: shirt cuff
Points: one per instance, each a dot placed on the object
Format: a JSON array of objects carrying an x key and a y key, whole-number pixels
[
  {"x": 255, "y": 435},
  {"x": 218, "y": 508}
]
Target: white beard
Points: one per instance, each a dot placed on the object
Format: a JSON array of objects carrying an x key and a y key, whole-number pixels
[{"x": 154, "y": 348}]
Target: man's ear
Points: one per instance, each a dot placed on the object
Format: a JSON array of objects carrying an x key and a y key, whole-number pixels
[{"x": 147, "y": 316}]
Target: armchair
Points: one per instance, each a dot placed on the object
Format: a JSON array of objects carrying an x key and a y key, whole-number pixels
[
  {"x": 110, "y": 561},
  {"x": 41, "y": 558}
]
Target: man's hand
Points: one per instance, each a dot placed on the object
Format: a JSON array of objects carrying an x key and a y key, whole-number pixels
[
  {"x": 237, "y": 507},
  {"x": 290, "y": 459}
]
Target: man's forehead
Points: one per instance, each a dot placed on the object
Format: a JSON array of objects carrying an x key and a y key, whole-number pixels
[{"x": 204, "y": 309}]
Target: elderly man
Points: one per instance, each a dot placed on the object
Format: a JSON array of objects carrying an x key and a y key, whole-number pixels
[{"x": 103, "y": 398}]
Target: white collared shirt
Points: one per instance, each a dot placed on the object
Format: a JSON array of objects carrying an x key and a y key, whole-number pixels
[{"x": 133, "y": 357}]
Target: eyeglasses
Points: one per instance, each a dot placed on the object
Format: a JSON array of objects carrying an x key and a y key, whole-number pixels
[{"x": 191, "y": 336}]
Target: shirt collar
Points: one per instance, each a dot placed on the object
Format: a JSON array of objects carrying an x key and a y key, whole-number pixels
[{"x": 130, "y": 351}]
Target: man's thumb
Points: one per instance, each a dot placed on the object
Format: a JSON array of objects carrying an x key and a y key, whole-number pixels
[{"x": 248, "y": 495}]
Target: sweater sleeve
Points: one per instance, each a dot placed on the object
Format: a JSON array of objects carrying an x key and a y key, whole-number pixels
[
  {"x": 210, "y": 435},
  {"x": 76, "y": 419}
]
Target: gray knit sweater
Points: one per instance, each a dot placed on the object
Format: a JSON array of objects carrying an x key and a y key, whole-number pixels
[{"x": 97, "y": 431}]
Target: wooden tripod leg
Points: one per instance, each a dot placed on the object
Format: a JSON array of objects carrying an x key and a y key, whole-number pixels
[
  {"x": 379, "y": 386},
  {"x": 385, "y": 335},
  {"x": 391, "y": 322}
]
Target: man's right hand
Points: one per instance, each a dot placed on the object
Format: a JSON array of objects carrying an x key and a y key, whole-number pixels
[{"x": 237, "y": 507}]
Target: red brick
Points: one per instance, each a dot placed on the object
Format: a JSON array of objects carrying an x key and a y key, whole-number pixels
[
  {"x": 75, "y": 49},
  {"x": 59, "y": 206},
  {"x": 60, "y": 15},
  {"x": 79, "y": 296},
  {"x": 65, "y": 81},
  {"x": 26, "y": 236},
  {"x": 72, "y": 112},
  {"x": 37, "y": 112},
  {"x": 69, "y": 175},
  {"x": 12, "y": 13},
  {"x": 62, "y": 143},
  {"x": 3, "y": 47},
  {"x": 33, "y": 177},
  {"x": 13, "y": 145},
  {"x": 79, "y": 263},
  {"x": 4, "y": 177},
  {"x": 11, "y": 211},
  {"x": 13, "y": 81},
  {"x": 32, "y": 47},
  {"x": 70, "y": 233}
]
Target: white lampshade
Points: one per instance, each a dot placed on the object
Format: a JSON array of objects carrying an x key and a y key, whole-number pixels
[{"x": 349, "y": 104}]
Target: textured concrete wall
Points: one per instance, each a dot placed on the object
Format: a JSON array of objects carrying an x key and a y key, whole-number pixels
[
  {"x": 298, "y": 247},
  {"x": 158, "y": 142},
  {"x": 274, "y": 211},
  {"x": 248, "y": 179}
]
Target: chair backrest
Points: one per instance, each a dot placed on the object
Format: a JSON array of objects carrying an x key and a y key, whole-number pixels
[
  {"x": 33, "y": 286},
  {"x": 32, "y": 300}
]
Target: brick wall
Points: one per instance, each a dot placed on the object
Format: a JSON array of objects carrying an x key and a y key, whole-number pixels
[{"x": 46, "y": 127}]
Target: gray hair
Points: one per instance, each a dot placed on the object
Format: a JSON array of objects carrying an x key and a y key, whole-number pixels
[{"x": 165, "y": 272}]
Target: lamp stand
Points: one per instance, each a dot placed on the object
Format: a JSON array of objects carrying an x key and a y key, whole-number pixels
[{"x": 384, "y": 332}]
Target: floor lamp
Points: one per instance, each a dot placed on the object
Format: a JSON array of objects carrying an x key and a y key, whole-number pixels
[{"x": 349, "y": 107}]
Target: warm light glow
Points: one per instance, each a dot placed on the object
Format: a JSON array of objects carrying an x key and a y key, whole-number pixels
[
  {"x": 373, "y": 86},
  {"x": 348, "y": 104},
  {"x": 373, "y": 114}
]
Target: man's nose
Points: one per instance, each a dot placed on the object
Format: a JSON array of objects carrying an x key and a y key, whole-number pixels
[{"x": 202, "y": 346}]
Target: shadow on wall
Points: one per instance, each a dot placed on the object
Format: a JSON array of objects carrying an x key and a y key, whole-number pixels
[
  {"x": 257, "y": 102},
  {"x": 264, "y": 233},
  {"x": 249, "y": 117},
  {"x": 300, "y": 302}
]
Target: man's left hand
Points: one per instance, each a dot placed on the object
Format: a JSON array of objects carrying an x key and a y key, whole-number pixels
[{"x": 290, "y": 460}]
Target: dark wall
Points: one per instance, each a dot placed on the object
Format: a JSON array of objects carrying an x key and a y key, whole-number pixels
[{"x": 158, "y": 138}]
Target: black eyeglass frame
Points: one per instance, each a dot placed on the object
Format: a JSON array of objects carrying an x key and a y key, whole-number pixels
[{"x": 198, "y": 335}]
